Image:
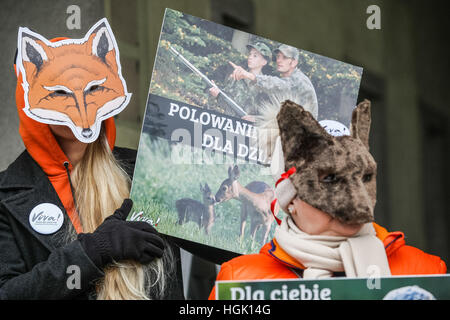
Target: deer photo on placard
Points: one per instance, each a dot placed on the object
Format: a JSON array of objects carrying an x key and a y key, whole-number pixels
[
  {"x": 198, "y": 212},
  {"x": 256, "y": 198}
]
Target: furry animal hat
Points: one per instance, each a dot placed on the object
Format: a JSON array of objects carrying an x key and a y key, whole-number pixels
[{"x": 335, "y": 174}]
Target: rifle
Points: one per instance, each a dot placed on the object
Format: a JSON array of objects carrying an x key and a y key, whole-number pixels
[{"x": 230, "y": 102}]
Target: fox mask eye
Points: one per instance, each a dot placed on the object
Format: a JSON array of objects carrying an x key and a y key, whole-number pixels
[
  {"x": 59, "y": 93},
  {"x": 94, "y": 85}
]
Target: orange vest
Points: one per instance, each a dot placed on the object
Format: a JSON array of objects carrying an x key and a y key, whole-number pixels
[{"x": 272, "y": 262}]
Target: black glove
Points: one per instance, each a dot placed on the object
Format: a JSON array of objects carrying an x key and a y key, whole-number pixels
[{"x": 117, "y": 239}]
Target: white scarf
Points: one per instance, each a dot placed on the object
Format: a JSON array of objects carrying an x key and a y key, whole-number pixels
[{"x": 359, "y": 256}]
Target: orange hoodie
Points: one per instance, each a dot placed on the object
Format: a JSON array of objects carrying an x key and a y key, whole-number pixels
[{"x": 41, "y": 144}]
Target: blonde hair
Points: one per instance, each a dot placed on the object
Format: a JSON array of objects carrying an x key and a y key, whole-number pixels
[{"x": 100, "y": 186}]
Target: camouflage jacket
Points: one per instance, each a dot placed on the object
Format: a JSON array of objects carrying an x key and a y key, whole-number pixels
[
  {"x": 244, "y": 93},
  {"x": 297, "y": 87}
]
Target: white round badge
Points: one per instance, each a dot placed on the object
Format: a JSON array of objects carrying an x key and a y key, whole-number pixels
[
  {"x": 335, "y": 128},
  {"x": 46, "y": 218}
]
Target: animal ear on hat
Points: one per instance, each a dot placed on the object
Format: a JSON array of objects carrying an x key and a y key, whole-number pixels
[
  {"x": 360, "y": 126},
  {"x": 301, "y": 135},
  {"x": 103, "y": 44}
]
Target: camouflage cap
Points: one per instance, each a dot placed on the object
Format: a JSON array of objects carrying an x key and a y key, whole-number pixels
[
  {"x": 261, "y": 48},
  {"x": 288, "y": 51}
]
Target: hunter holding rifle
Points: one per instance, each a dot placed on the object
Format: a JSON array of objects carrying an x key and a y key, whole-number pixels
[
  {"x": 244, "y": 92},
  {"x": 292, "y": 81},
  {"x": 225, "y": 98}
]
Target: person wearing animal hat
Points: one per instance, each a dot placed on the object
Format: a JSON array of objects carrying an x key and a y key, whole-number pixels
[
  {"x": 63, "y": 201},
  {"x": 327, "y": 186}
]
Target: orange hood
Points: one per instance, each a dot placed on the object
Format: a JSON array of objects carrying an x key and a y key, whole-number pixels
[{"x": 41, "y": 144}]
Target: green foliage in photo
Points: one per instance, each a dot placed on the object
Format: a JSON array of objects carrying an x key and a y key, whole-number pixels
[{"x": 209, "y": 48}]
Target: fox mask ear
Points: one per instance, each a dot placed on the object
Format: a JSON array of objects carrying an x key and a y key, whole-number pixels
[
  {"x": 32, "y": 53},
  {"x": 103, "y": 45},
  {"x": 301, "y": 135},
  {"x": 360, "y": 127}
]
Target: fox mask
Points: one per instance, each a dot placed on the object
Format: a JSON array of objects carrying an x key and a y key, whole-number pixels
[
  {"x": 336, "y": 175},
  {"x": 72, "y": 82}
]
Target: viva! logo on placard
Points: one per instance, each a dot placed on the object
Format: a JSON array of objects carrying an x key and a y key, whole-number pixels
[{"x": 139, "y": 216}]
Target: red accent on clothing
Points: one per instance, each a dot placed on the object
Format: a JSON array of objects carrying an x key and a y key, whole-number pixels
[
  {"x": 286, "y": 175},
  {"x": 272, "y": 208}
]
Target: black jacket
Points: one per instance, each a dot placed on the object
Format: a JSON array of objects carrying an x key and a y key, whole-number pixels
[{"x": 38, "y": 266}]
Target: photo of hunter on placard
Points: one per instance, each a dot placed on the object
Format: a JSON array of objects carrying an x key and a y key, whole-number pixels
[{"x": 202, "y": 171}]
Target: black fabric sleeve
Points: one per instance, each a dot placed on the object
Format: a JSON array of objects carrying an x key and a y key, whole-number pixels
[{"x": 50, "y": 279}]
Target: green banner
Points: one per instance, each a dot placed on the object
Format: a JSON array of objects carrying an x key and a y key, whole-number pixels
[{"x": 433, "y": 287}]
